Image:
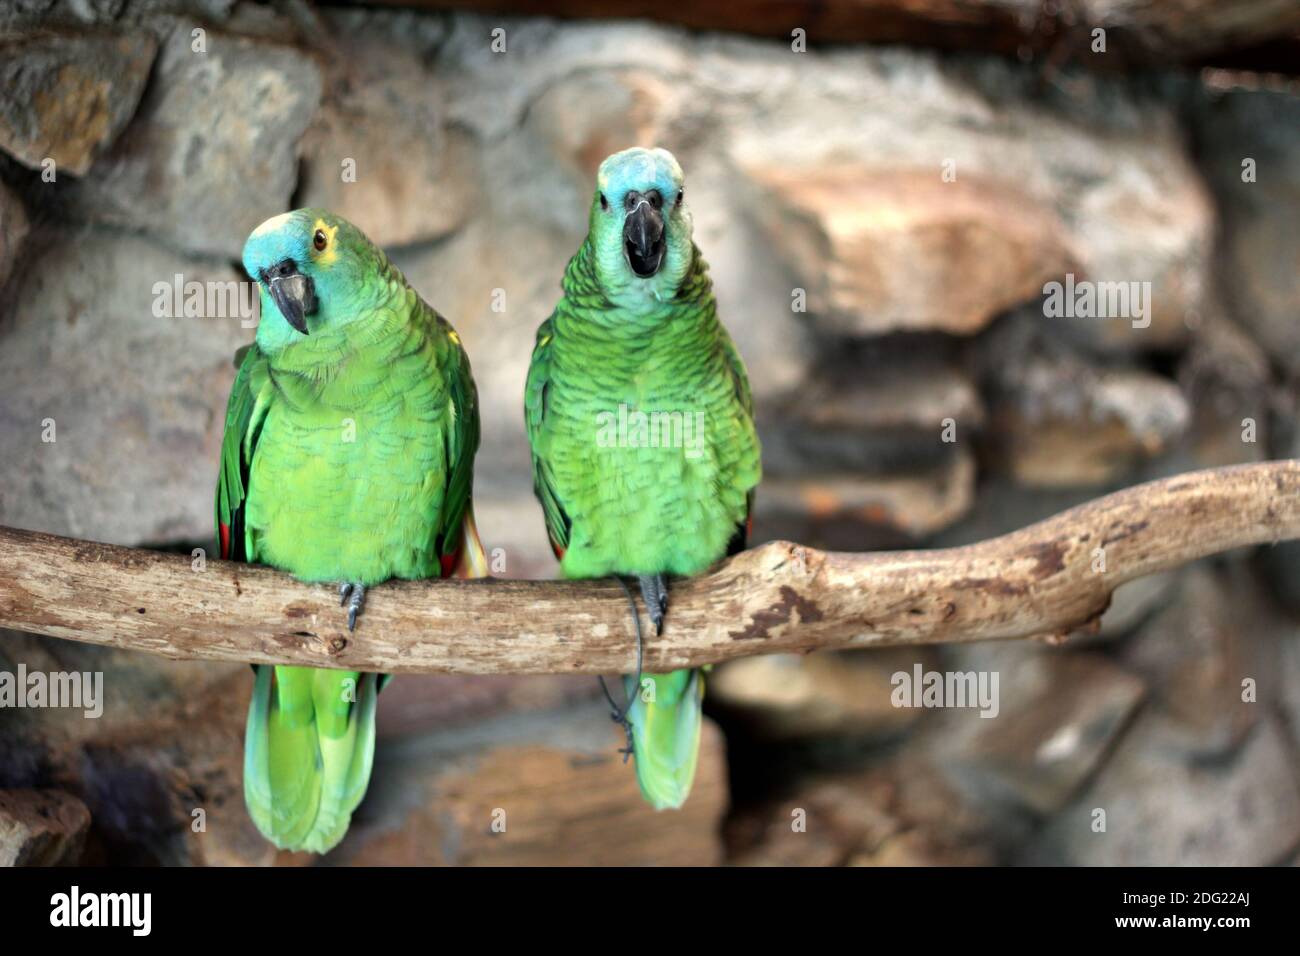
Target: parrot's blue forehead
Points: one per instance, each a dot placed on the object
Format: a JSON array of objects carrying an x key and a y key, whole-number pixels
[
  {"x": 280, "y": 237},
  {"x": 641, "y": 170}
]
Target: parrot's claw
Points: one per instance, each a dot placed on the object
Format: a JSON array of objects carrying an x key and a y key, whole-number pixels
[
  {"x": 654, "y": 591},
  {"x": 354, "y": 596},
  {"x": 618, "y": 715}
]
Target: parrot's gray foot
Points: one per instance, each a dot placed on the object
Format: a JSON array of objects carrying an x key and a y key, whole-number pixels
[
  {"x": 617, "y": 714},
  {"x": 654, "y": 591},
  {"x": 354, "y": 596}
]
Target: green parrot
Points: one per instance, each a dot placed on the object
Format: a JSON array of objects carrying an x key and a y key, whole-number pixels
[
  {"x": 347, "y": 458},
  {"x": 639, "y": 413}
]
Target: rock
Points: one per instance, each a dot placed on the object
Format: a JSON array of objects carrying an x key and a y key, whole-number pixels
[
  {"x": 148, "y": 793},
  {"x": 421, "y": 703},
  {"x": 142, "y": 12},
  {"x": 584, "y": 117},
  {"x": 553, "y": 785},
  {"x": 1058, "y": 421},
  {"x": 412, "y": 190},
  {"x": 95, "y": 11},
  {"x": 1195, "y": 27},
  {"x": 823, "y": 823},
  {"x": 1283, "y": 681},
  {"x": 845, "y": 511},
  {"x": 1103, "y": 163},
  {"x": 1155, "y": 240},
  {"x": 136, "y": 687},
  {"x": 916, "y": 849},
  {"x": 1251, "y": 156},
  {"x": 1281, "y": 567},
  {"x": 1281, "y": 562},
  {"x": 886, "y": 409},
  {"x": 898, "y": 392},
  {"x": 1196, "y": 653},
  {"x": 900, "y": 250},
  {"x": 170, "y": 792},
  {"x": 1057, "y": 714},
  {"x": 1226, "y": 379},
  {"x": 112, "y": 417},
  {"x": 67, "y": 94},
  {"x": 1002, "y": 505},
  {"x": 900, "y": 813},
  {"x": 214, "y": 149},
  {"x": 1133, "y": 603},
  {"x": 785, "y": 696},
  {"x": 13, "y": 231},
  {"x": 21, "y": 10},
  {"x": 874, "y": 451},
  {"x": 41, "y": 828},
  {"x": 1162, "y": 810},
  {"x": 168, "y": 743},
  {"x": 1124, "y": 418},
  {"x": 381, "y": 154},
  {"x": 161, "y": 769}
]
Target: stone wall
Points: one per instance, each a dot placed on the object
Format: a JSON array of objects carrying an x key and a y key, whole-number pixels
[{"x": 880, "y": 224}]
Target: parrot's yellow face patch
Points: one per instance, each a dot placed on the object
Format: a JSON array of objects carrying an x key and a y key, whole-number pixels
[{"x": 325, "y": 254}]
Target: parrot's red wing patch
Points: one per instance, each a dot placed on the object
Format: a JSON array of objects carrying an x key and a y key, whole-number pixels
[
  {"x": 225, "y": 541},
  {"x": 449, "y": 562},
  {"x": 744, "y": 530}
]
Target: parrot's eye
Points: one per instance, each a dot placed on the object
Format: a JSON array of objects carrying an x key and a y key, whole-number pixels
[
  {"x": 320, "y": 240},
  {"x": 681, "y": 194},
  {"x": 604, "y": 203}
]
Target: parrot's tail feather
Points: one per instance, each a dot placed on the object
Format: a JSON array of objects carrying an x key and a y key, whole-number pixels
[
  {"x": 666, "y": 713},
  {"x": 472, "y": 560},
  {"x": 308, "y": 752}
]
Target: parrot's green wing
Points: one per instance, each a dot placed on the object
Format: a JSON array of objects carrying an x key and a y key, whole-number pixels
[
  {"x": 250, "y": 398},
  {"x": 736, "y": 365},
  {"x": 462, "y": 438},
  {"x": 557, "y": 522}
]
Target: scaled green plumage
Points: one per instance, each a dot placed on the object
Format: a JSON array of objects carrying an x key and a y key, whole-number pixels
[
  {"x": 347, "y": 458},
  {"x": 674, "y": 498}
]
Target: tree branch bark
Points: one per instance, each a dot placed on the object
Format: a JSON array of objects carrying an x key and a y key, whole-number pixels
[{"x": 779, "y": 597}]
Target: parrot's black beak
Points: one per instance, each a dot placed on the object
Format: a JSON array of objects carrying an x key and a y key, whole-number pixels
[
  {"x": 643, "y": 233},
  {"x": 293, "y": 292}
]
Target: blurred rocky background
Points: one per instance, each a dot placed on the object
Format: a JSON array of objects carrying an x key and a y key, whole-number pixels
[{"x": 882, "y": 189}]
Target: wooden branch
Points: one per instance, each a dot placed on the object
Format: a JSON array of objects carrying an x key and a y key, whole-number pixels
[{"x": 778, "y": 597}]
